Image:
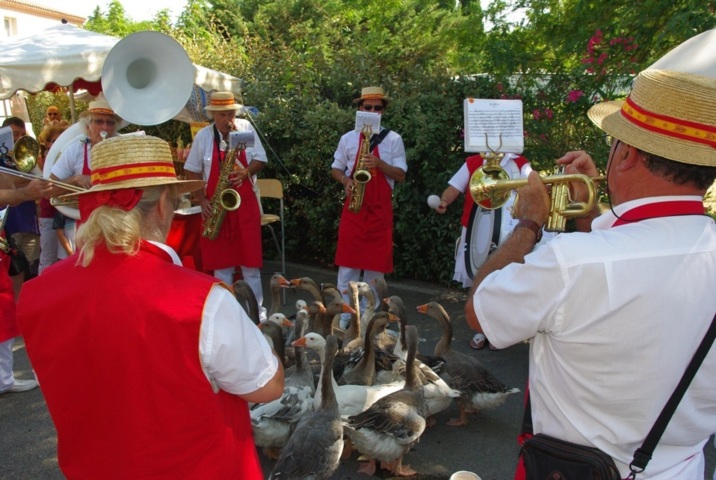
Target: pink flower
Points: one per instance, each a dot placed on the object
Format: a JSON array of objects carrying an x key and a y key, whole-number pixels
[
  {"x": 548, "y": 113},
  {"x": 536, "y": 114},
  {"x": 574, "y": 95}
]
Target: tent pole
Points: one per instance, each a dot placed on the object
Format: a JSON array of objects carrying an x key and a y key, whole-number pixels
[{"x": 73, "y": 112}]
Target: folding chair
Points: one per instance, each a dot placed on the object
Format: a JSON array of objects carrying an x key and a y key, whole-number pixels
[{"x": 272, "y": 188}]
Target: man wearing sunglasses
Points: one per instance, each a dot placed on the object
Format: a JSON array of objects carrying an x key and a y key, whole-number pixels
[
  {"x": 365, "y": 238},
  {"x": 99, "y": 122}
]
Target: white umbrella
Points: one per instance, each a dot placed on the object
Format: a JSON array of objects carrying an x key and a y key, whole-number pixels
[{"x": 68, "y": 56}]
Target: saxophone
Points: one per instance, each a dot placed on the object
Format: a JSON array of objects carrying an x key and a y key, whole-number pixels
[
  {"x": 225, "y": 198},
  {"x": 361, "y": 176}
]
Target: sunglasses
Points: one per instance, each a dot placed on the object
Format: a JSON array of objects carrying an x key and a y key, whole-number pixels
[
  {"x": 101, "y": 121},
  {"x": 369, "y": 108}
]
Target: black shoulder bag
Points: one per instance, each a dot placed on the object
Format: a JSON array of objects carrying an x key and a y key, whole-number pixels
[{"x": 550, "y": 458}]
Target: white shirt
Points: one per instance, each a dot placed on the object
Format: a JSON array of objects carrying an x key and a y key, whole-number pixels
[
  {"x": 391, "y": 150},
  {"x": 615, "y": 316},
  {"x": 234, "y": 353},
  {"x": 71, "y": 160},
  {"x": 202, "y": 149}
]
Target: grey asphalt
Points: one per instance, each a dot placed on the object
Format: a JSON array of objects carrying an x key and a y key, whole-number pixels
[{"x": 486, "y": 446}]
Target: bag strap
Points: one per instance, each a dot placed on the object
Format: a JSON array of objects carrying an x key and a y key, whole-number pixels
[
  {"x": 378, "y": 137},
  {"x": 643, "y": 454}
]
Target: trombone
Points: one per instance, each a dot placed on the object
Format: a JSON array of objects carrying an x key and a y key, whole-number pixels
[
  {"x": 491, "y": 187},
  {"x": 24, "y": 160}
]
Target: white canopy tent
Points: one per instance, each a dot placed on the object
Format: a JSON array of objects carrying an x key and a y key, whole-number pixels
[{"x": 71, "y": 57}]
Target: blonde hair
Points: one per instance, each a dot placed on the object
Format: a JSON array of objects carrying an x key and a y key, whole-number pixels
[{"x": 121, "y": 231}]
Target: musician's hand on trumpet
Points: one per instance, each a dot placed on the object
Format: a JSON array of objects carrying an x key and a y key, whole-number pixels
[
  {"x": 578, "y": 162},
  {"x": 534, "y": 201}
]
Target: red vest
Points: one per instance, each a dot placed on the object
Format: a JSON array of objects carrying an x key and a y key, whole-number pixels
[{"x": 116, "y": 349}]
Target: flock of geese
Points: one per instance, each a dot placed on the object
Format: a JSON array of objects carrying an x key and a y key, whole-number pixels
[{"x": 375, "y": 393}]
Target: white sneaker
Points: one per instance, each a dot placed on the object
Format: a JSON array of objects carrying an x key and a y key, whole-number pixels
[{"x": 22, "y": 386}]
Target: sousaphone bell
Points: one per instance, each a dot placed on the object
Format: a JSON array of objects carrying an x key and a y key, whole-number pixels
[{"x": 147, "y": 78}]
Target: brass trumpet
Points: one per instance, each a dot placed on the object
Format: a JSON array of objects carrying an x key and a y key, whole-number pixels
[{"x": 490, "y": 187}]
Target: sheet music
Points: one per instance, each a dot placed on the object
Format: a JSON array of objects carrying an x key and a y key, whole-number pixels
[
  {"x": 370, "y": 118},
  {"x": 6, "y": 138},
  {"x": 489, "y": 122}
]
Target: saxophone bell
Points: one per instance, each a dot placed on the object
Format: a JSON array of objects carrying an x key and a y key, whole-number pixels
[{"x": 225, "y": 198}]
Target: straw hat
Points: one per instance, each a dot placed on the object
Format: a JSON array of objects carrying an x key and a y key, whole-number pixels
[
  {"x": 670, "y": 114},
  {"x": 134, "y": 161},
  {"x": 100, "y": 106},
  {"x": 222, "y": 101},
  {"x": 372, "y": 93}
]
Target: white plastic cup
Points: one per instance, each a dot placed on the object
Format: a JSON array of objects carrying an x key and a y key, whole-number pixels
[{"x": 464, "y": 475}]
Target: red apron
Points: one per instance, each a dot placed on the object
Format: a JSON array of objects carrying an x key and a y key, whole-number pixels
[
  {"x": 239, "y": 240},
  {"x": 365, "y": 239}
]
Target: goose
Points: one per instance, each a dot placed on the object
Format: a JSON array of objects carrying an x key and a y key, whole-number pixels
[
  {"x": 365, "y": 291},
  {"x": 334, "y": 308},
  {"x": 315, "y": 447},
  {"x": 309, "y": 285},
  {"x": 273, "y": 421},
  {"x": 247, "y": 299},
  {"x": 397, "y": 307},
  {"x": 392, "y": 425},
  {"x": 480, "y": 389},
  {"x": 316, "y": 312},
  {"x": 277, "y": 283},
  {"x": 272, "y": 329},
  {"x": 352, "y": 336},
  {"x": 362, "y": 371},
  {"x": 381, "y": 292},
  {"x": 352, "y": 399}
]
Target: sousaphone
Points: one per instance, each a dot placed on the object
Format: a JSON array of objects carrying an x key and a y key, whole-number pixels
[{"x": 147, "y": 78}]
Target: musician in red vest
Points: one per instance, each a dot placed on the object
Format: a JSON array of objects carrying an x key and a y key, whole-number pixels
[
  {"x": 516, "y": 166},
  {"x": 172, "y": 357},
  {"x": 365, "y": 238},
  {"x": 239, "y": 241},
  {"x": 615, "y": 312},
  {"x": 11, "y": 195}
]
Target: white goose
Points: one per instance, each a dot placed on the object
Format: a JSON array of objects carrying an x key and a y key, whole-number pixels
[{"x": 352, "y": 399}]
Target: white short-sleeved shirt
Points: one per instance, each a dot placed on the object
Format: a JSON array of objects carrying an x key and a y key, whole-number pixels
[
  {"x": 234, "y": 353},
  {"x": 202, "y": 149},
  {"x": 391, "y": 150},
  {"x": 71, "y": 160},
  {"x": 614, "y": 316}
]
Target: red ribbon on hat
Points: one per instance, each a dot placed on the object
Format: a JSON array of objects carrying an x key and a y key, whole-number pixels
[{"x": 125, "y": 199}]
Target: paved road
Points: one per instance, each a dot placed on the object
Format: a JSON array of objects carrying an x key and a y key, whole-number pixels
[{"x": 485, "y": 446}]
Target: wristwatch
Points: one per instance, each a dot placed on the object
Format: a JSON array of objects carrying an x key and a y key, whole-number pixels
[{"x": 532, "y": 226}]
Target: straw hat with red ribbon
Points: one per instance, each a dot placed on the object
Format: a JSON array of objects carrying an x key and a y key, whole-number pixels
[
  {"x": 372, "y": 93},
  {"x": 222, "y": 101},
  {"x": 670, "y": 114},
  {"x": 123, "y": 166}
]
